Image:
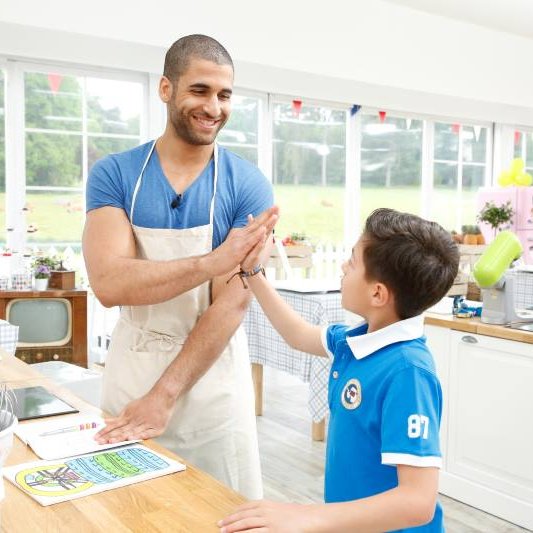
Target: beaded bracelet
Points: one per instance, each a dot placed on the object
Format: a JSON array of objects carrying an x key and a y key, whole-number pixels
[{"x": 259, "y": 269}]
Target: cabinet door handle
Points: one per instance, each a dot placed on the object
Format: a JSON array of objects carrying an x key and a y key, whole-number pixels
[{"x": 469, "y": 339}]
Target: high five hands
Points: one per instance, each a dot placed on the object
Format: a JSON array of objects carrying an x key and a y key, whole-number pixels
[
  {"x": 241, "y": 242},
  {"x": 260, "y": 253}
]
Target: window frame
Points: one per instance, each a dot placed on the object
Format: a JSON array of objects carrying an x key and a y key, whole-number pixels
[
  {"x": 16, "y": 130},
  {"x": 428, "y": 150},
  {"x": 352, "y": 174},
  {"x": 262, "y": 130}
]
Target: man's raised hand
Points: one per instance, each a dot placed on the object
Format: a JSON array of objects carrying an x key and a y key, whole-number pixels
[{"x": 241, "y": 241}]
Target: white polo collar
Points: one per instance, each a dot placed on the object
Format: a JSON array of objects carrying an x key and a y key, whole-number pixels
[{"x": 404, "y": 330}]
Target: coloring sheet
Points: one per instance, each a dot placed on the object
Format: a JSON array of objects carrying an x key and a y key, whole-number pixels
[{"x": 51, "y": 482}]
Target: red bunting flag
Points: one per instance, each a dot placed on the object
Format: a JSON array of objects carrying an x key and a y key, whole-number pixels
[
  {"x": 456, "y": 128},
  {"x": 517, "y": 137},
  {"x": 54, "y": 81},
  {"x": 296, "y": 107},
  {"x": 382, "y": 115}
]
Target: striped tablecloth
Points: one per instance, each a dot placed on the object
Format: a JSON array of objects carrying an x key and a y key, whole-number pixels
[
  {"x": 268, "y": 348},
  {"x": 8, "y": 337}
]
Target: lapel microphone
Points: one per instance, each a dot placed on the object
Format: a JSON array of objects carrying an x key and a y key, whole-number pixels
[{"x": 176, "y": 202}]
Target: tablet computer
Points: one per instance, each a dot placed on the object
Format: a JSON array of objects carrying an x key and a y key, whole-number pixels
[{"x": 37, "y": 402}]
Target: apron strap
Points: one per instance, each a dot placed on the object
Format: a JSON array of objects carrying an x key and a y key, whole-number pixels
[
  {"x": 215, "y": 181},
  {"x": 139, "y": 179}
]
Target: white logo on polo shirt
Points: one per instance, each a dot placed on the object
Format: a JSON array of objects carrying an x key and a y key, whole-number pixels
[{"x": 351, "y": 394}]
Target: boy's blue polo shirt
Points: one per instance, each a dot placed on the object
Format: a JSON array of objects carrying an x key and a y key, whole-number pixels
[{"x": 385, "y": 402}]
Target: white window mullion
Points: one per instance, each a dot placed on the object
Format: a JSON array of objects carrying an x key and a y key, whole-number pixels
[
  {"x": 144, "y": 126},
  {"x": 84, "y": 134},
  {"x": 428, "y": 152},
  {"x": 503, "y": 150},
  {"x": 489, "y": 156},
  {"x": 459, "y": 190},
  {"x": 264, "y": 136},
  {"x": 352, "y": 197},
  {"x": 15, "y": 158},
  {"x": 157, "y": 113}
]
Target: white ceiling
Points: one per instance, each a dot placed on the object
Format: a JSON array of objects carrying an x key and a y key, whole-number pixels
[{"x": 511, "y": 16}]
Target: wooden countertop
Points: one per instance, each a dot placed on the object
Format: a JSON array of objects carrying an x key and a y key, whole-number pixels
[
  {"x": 474, "y": 325},
  {"x": 185, "y": 501}
]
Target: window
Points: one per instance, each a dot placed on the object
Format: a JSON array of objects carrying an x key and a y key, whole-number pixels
[
  {"x": 240, "y": 134},
  {"x": 460, "y": 168},
  {"x": 70, "y": 122},
  {"x": 523, "y": 147},
  {"x": 2, "y": 160},
  {"x": 391, "y": 164},
  {"x": 309, "y": 154}
]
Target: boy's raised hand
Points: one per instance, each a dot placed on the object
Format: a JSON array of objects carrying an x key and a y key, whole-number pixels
[
  {"x": 259, "y": 253},
  {"x": 267, "y": 516}
]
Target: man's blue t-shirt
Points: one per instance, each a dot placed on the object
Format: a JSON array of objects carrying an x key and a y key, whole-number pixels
[
  {"x": 385, "y": 402},
  {"x": 241, "y": 190}
]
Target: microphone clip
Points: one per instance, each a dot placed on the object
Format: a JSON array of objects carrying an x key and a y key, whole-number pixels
[{"x": 176, "y": 202}]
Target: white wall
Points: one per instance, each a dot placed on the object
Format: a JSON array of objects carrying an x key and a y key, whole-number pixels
[{"x": 356, "y": 51}]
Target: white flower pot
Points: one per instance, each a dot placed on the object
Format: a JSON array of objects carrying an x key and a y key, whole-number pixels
[
  {"x": 41, "y": 284},
  {"x": 6, "y": 442}
]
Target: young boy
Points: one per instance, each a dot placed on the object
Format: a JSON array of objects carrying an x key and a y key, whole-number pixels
[{"x": 383, "y": 455}]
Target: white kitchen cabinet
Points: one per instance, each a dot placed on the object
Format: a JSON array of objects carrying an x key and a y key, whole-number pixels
[
  {"x": 438, "y": 341},
  {"x": 488, "y": 424}
]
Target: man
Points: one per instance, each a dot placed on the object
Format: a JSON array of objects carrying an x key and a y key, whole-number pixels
[{"x": 158, "y": 218}]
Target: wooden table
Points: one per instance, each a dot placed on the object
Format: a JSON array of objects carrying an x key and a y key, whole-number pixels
[{"x": 188, "y": 501}]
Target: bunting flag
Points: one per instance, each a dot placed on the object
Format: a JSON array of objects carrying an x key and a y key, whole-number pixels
[
  {"x": 517, "y": 137},
  {"x": 477, "y": 132},
  {"x": 355, "y": 109},
  {"x": 408, "y": 123},
  {"x": 456, "y": 128},
  {"x": 382, "y": 115},
  {"x": 54, "y": 81},
  {"x": 296, "y": 107}
]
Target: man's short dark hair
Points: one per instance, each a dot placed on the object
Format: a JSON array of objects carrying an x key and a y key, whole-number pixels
[
  {"x": 179, "y": 55},
  {"x": 415, "y": 258}
]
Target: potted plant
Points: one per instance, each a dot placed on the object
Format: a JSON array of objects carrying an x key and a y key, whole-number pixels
[
  {"x": 496, "y": 216},
  {"x": 42, "y": 266},
  {"x": 8, "y": 423},
  {"x": 472, "y": 235}
]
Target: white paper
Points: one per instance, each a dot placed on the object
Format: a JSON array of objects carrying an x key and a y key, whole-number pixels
[
  {"x": 67, "y": 444},
  {"x": 51, "y": 482}
]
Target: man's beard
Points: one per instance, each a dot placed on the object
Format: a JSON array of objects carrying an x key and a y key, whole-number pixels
[{"x": 184, "y": 129}]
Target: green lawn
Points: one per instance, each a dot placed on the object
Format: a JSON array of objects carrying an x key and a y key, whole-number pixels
[
  {"x": 313, "y": 210},
  {"x": 58, "y": 217},
  {"x": 319, "y": 212}
]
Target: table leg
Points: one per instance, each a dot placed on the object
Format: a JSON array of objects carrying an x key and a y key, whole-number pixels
[
  {"x": 319, "y": 430},
  {"x": 257, "y": 378}
]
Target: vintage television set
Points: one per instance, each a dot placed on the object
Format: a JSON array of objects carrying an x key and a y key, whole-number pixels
[{"x": 52, "y": 324}]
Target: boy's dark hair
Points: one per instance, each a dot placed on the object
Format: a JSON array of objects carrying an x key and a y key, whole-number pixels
[
  {"x": 179, "y": 55},
  {"x": 415, "y": 258}
]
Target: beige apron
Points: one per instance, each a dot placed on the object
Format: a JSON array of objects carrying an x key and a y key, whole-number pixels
[{"x": 213, "y": 425}]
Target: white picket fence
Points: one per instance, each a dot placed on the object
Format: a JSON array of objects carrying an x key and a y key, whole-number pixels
[{"x": 327, "y": 261}]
